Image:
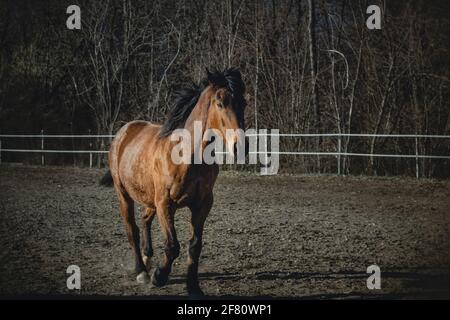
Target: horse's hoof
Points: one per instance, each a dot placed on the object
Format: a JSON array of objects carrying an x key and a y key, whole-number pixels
[
  {"x": 147, "y": 262},
  {"x": 143, "y": 277},
  {"x": 159, "y": 279},
  {"x": 196, "y": 293}
]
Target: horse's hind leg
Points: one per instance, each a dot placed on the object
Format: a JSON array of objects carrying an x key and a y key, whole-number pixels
[
  {"x": 147, "y": 219},
  {"x": 166, "y": 212},
  {"x": 126, "y": 205},
  {"x": 199, "y": 213}
]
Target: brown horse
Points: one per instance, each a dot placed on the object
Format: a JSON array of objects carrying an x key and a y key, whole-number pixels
[{"x": 142, "y": 171}]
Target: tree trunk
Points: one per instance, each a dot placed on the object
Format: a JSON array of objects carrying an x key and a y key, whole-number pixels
[{"x": 313, "y": 61}]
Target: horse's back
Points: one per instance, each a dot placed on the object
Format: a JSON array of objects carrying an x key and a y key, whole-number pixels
[
  {"x": 128, "y": 148},
  {"x": 131, "y": 133}
]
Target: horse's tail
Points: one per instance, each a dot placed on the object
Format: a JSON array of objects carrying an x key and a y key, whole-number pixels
[{"x": 107, "y": 179}]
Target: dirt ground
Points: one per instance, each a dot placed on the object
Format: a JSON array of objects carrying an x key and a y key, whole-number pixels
[{"x": 279, "y": 236}]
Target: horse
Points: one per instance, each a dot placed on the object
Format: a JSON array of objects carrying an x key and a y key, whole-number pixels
[{"x": 142, "y": 171}]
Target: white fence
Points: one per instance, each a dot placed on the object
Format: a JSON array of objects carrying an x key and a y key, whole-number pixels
[{"x": 337, "y": 154}]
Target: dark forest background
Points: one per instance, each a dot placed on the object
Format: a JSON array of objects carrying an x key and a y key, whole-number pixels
[{"x": 326, "y": 74}]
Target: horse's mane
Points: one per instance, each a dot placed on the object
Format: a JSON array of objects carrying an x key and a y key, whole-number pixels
[{"x": 187, "y": 98}]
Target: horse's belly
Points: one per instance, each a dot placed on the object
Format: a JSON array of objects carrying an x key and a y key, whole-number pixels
[
  {"x": 135, "y": 172},
  {"x": 142, "y": 193},
  {"x": 138, "y": 182}
]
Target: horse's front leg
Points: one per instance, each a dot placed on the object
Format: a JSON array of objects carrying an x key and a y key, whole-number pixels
[
  {"x": 147, "y": 219},
  {"x": 199, "y": 213},
  {"x": 166, "y": 212}
]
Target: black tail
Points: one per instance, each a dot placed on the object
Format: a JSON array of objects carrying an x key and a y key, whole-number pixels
[{"x": 107, "y": 179}]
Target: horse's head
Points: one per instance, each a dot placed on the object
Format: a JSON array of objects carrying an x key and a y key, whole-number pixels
[{"x": 226, "y": 108}]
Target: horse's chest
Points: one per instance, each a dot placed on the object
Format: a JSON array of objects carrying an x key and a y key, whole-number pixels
[{"x": 192, "y": 187}]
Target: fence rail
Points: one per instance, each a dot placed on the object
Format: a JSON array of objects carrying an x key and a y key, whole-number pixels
[
  {"x": 249, "y": 135},
  {"x": 338, "y": 154},
  {"x": 380, "y": 155},
  {"x": 57, "y": 136}
]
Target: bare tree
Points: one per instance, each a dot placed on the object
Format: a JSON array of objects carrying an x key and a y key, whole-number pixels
[{"x": 313, "y": 65}]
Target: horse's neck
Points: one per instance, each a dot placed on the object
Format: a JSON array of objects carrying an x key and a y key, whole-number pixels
[{"x": 197, "y": 122}]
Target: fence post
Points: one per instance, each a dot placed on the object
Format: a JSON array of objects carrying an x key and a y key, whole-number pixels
[
  {"x": 339, "y": 156},
  {"x": 417, "y": 158},
  {"x": 99, "y": 155},
  {"x": 90, "y": 148},
  {"x": 0, "y": 151},
  {"x": 42, "y": 147}
]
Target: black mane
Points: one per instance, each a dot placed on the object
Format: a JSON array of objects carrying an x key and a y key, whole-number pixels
[
  {"x": 187, "y": 98},
  {"x": 185, "y": 101}
]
